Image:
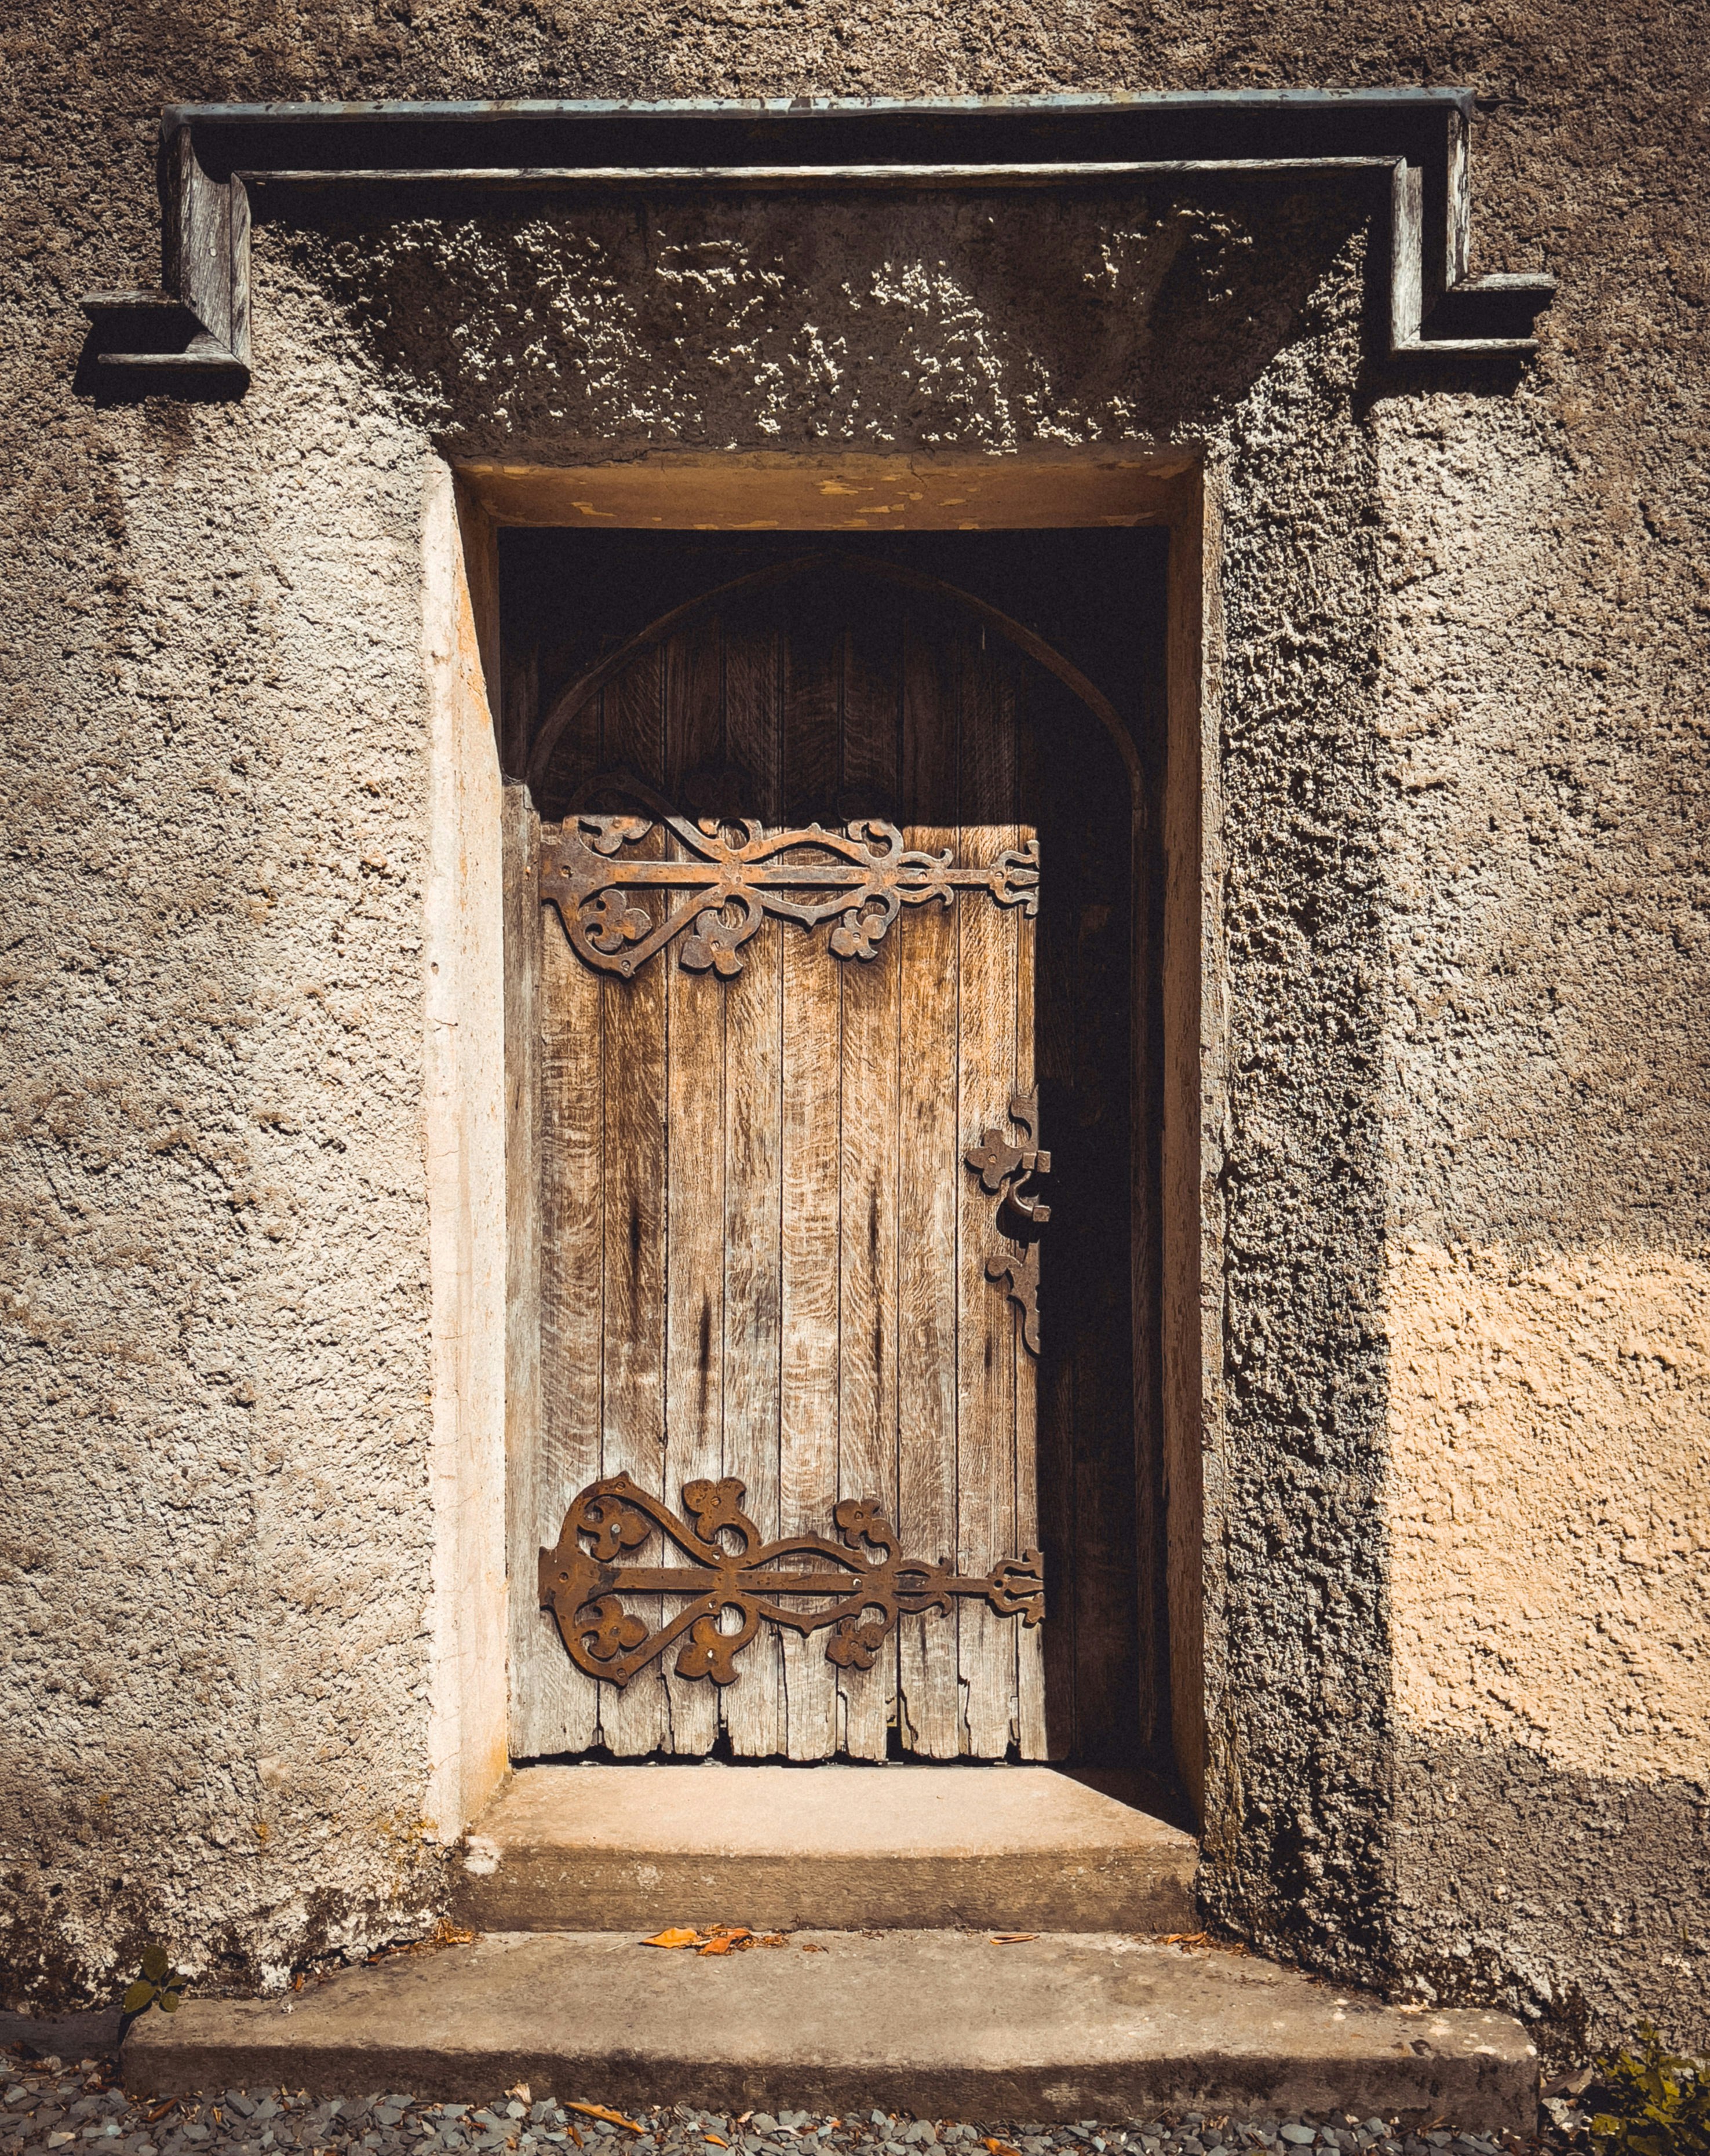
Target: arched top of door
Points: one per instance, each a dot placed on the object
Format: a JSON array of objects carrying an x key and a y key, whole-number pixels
[{"x": 565, "y": 706}]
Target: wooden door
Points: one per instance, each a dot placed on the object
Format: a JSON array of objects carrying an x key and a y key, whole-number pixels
[{"x": 766, "y": 1260}]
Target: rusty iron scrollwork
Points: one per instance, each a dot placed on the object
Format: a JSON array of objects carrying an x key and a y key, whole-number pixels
[
  {"x": 858, "y": 1587},
  {"x": 731, "y": 873},
  {"x": 1004, "y": 1172}
]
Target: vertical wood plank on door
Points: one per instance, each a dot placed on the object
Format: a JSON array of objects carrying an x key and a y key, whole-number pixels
[
  {"x": 1107, "y": 1675},
  {"x": 695, "y": 1227},
  {"x": 636, "y": 1719},
  {"x": 753, "y": 1084},
  {"x": 572, "y": 1053},
  {"x": 551, "y": 1704},
  {"x": 1030, "y": 1643},
  {"x": 929, "y": 1179},
  {"x": 1085, "y": 1414},
  {"x": 564, "y": 1716},
  {"x": 1054, "y": 1066},
  {"x": 985, "y": 1419},
  {"x": 867, "y": 1391},
  {"x": 811, "y": 1150}
]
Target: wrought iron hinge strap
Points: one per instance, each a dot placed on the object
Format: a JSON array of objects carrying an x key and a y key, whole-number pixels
[
  {"x": 731, "y": 874},
  {"x": 1004, "y": 1171},
  {"x": 863, "y": 1584}
]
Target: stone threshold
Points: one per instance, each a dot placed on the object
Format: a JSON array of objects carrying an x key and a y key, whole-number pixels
[
  {"x": 840, "y": 1847},
  {"x": 943, "y": 2024}
]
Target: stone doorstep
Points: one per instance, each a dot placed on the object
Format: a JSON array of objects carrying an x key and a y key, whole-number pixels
[
  {"x": 945, "y": 2024},
  {"x": 841, "y": 1847}
]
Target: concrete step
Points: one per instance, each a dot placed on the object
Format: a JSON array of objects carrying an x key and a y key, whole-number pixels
[
  {"x": 845, "y": 1848},
  {"x": 947, "y": 2024}
]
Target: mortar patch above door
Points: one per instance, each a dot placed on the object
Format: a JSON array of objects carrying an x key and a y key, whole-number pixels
[{"x": 789, "y": 1449}]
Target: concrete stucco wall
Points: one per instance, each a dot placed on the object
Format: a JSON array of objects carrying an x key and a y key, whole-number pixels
[{"x": 1455, "y": 1188}]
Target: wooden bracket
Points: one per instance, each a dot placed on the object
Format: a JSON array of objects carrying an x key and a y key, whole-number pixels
[{"x": 196, "y": 324}]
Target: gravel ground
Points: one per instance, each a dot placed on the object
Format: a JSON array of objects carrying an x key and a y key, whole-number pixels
[{"x": 50, "y": 2104}]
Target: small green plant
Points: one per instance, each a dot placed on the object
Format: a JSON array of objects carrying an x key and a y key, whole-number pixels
[
  {"x": 1653, "y": 2105},
  {"x": 160, "y": 1984}
]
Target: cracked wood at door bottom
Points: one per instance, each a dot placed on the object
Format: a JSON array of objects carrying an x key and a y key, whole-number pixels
[{"x": 861, "y": 1587}]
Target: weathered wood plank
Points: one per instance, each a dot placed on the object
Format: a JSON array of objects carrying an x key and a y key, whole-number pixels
[
  {"x": 1030, "y": 1645},
  {"x": 1105, "y": 1586},
  {"x": 637, "y": 1719},
  {"x": 1195, "y": 1065},
  {"x": 985, "y": 1421},
  {"x": 929, "y": 1179},
  {"x": 551, "y": 1703},
  {"x": 871, "y": 1057},
  {"x": 1053, "y": 1064},
  {"x": 573, "y": 1264},
  {"x": 811, "y": 1149},
  {"x": 753, "y": 1082},
  {"x": 1087, "y": 1425},
  {"x": 564, "y": 1717},
  {"x": 694, "y": 1156}
]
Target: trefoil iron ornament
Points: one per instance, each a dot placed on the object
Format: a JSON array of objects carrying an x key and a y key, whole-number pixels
[
  {"x": 731, "y": 873},
  {"x": 1004, "y": 1171},
  {"x": 858, "y": 1587}
]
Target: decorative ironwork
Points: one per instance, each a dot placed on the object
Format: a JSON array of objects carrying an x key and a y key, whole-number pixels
[
  {"x": 862, "y": 1586},
  {"x": 1004, "y": 1170},
  {"x": 732, "y": 872}
]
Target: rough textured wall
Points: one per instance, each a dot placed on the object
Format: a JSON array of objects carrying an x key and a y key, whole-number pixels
[
  {"x": 1552, "y": 1591},
  {"x": 1547, "y": 1292},
  {"x": 1299, "y": 1727},
  {"x": 214, "y": 1537},
  {"x": 1463, "y": 774}
]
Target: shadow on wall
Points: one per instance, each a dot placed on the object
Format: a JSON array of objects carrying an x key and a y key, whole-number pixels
[
  {"x": 1515, "y": 1872},
  {"x": 1087, "y": 315}
]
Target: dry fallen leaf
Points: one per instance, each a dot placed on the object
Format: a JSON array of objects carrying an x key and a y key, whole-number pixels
[
  {"x": 611, "y": 2118},
  {"x": 1002, "y": 2149},
  {"x": 678, "y": 1935},
  {"x": 772, "y": 1939},
  {"x": 1012, "y": 1939},
  {"x": 716, "y": 2142},
  {"x": 522, "y": 2092},
  {"x": 810, "y": 1946},
  {"x": 1187, "y": 1939}
]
